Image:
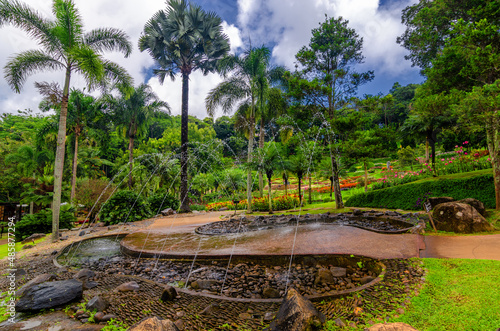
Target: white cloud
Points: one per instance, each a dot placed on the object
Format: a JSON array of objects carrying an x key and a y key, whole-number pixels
[
  {"x": 288, "y": 25},
  {"x": 129, "y": 16}
]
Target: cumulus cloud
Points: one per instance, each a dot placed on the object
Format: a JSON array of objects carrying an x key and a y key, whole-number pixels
[{"x": 287, "y": 26}]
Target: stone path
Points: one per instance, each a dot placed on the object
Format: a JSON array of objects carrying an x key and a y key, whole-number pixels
[{"x": 486, "y": 247}]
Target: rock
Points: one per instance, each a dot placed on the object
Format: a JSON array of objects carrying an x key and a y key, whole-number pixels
[
  {"x": 98, "y": 316},
  {"x": 81, "y": 234},
  {"x": 270, "y": 293},
  {"x": 297, "y": 313},
  {"x": 245, "y": 316},
  {"x": 211, "y": 309},
  {"x": 203, "y": 284},
  {"x": 223, "y": 209},
  {"x": 169, "y": 294},
  {"x": 33, "y": 237},
  {"x": 49, "y": 295},
  {"x": 179, "y": 324},
  {"x": 366, "y": 280},
  {"x": 434, "y": 201},
  {"x": 338, "y": 271},
  {"x": 35, "y": 281},
  {"x": 108, "y": 317},
  {"x": 459, "y": 218},
  {"x": 324, "y": 276},
  {"x": 392, "y": 327},
  {"x": 154, "y": 324},
  {"x": 127, "y": 287},
  {"x": 89, "y": 285},
  {"x": 28, "y": 246},
  {"x": 84, "y": 275},
  {"x": 167, "y": 212},
  {"x": 100, "y": 225},
  {"x": 357, "y": 212},
  {"x": 476, "y": 204},
  {"x": 63, "y": 238},
  {"x": 97, "y": 303}
]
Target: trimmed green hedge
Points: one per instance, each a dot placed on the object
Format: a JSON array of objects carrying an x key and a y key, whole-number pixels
[{"x": 405, "y": 196}]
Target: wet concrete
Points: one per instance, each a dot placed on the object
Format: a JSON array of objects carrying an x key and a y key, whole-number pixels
[
  {"x": 486, "y": 247},
  {"x": 175, "y": 236}
]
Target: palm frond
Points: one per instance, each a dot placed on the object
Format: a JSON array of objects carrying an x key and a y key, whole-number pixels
[
  {"x": 108, "y": 39},
  {"x": 27, "y": 63},
  {"x": 69, "y": 26},
  {"x": 117, "y": 74},
  {"x": 51, "y": 92},
  {"x": 89, "y": 64},
  {"x": 226, "y": 95},
  {"x": 26, "y": 18}
]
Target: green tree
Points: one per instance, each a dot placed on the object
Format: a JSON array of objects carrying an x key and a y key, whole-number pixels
[
  {"x": 429, "y": 24},
  {"x": 64, "y": 46},
  {"x": 241, "y": 89},
  {"x": 328, "y": 78},
  {"x": 133, "y": 111},
  {"x": 184, "y": 38}
]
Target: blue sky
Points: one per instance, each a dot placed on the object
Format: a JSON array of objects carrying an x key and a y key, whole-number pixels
[{"x": 284, "y": 26}]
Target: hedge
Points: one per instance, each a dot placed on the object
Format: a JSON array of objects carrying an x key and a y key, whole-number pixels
[
  {"x": 405, "y": 196},
  {"x": 41, "y": 222}
]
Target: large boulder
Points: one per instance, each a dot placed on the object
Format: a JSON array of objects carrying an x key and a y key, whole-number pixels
[
  {"x": 43, "y": 278},
  {"x": 49, "y": 295},
  {"x": 434, "y": 201},
  {"x": 154, "y": 324},
  {"x": 392, "y": 327},
  {"x": 476, "y": 204},
  {"x": 459, "y": 218},
  {"x": 296, "y": 313}
]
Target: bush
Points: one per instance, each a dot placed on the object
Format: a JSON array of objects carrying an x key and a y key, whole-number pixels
[
  {"x": 405, "y": 196},
  {"x": 125, "y": 206},
  {"x": 162, "y": 200},
  {"x": 279, "y": 203},
  {"x": 197, "y": 207},
  {"x": 88, "y": 192},
  {"x": 41, "y": 222}
]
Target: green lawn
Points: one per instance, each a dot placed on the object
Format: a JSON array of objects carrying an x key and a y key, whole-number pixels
[
  {"x": 459, "y": 294},
  {"x": 4, "y": 248}
]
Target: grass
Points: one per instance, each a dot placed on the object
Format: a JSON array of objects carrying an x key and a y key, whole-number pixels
[
  {"x": 458, "y": 295},
  {"x": 4, "y": 248}
]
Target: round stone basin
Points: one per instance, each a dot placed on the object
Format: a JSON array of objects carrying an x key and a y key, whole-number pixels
[
  {"x": 308, "y": 239},
  {"x": 91, "y": 250}
]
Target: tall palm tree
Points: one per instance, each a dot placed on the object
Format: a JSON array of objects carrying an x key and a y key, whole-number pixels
[
  {"x": 133, "y": 111},
  {"x": 64, "y": 46},
  {"x": 239, "y": 89},
  {"x": 184, "y": 38}
]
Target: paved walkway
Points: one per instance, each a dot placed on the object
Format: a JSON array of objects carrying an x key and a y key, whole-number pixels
[
  {"x": 174, "y": 236},
  {"x": 486, "y": 247}
]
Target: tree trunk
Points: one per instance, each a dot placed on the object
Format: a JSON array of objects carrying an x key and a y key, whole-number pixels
[
  {"x": 310, "y": 189},
  {"x": 331, "y": 187},
  {"x": 366, "y": 176},
  {"x": 75, "y": 164},
  {"x": 130, "y": 159},
  {"x": 427, "y": 150},
  {"x": 59, "y": 161},
  {"x": 184, "y": 144},
  {"x": 269, "y": 190},
  {"x": 261, "y": 145},
  {"x": 285, "y": 179},
  {"x": 249, "y": 159},
  {"x": 300, "y": 191},
  {"x": 339, "y": 204},
  {"x": 493, "y": 141}
]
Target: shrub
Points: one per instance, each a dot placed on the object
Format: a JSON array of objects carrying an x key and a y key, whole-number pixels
[
  {"x": 88, "y": 192},
  {"x": 197, "y": 207},
  {"x": 41, "y": 222},
  {"x": 405, "y": 196},
  {"x": 283, "y": 202},
  {"x": 125, "y": 206},
  {"x": 162, "y": 200}
]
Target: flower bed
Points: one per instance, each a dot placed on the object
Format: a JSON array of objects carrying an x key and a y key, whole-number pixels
[{"x": 283, "y": 202}]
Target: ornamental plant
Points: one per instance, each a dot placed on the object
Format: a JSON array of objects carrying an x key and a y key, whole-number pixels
[{"x": 125, "y": 206}]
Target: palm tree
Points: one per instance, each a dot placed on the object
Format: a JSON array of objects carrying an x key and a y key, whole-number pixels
[
  {"x": 184, "y": 38},
  {"x": 241, "y": 90},
  {"x": 299, "y": 164},
  {"x": 64, "y": 46},
  {"x": 132, "y": 111}
]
